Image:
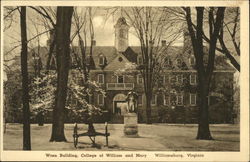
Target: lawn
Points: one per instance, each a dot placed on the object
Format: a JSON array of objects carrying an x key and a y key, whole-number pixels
[{"x": 155, "y": 137}]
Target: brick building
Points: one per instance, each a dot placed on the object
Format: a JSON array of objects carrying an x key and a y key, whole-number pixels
[{"x": 175, "y": 96}]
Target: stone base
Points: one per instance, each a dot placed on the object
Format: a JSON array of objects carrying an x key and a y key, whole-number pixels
[{"x": 130, "y": 125}]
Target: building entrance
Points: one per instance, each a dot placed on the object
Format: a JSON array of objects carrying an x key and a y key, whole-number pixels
[{"x": 119, "y": 104}]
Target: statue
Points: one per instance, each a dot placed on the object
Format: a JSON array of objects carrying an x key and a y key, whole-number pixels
[
  {"x": 130, "y": 118},
  {"x": 132, "y": 102}
]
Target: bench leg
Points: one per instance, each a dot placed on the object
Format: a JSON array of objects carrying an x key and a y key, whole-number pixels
[
  {"x": 75, "y": 135},
  {"x": 75, "y": 141},
  {"x": 93, "y": 140},
  {"x": 107, "y": 141}
]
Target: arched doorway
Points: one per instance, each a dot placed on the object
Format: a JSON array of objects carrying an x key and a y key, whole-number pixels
[{"x": 119, "y": 102}]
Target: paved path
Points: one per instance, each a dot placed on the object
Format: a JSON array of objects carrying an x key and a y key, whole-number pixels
[{"x": 143, "y": 142}]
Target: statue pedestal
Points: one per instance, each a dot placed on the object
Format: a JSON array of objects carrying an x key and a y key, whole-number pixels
[{"x": 130, "y": 125}]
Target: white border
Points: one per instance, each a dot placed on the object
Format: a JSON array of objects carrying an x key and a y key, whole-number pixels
[{"x": 243, "y": 155}]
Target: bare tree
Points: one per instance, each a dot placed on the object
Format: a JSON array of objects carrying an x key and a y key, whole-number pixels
[
  {"x": 25, "y": 81},
  {"x": 229, "y": 37},
  {"x": 151, "y": 25},
  {"x": 204, "y": 70},
  {"x": 48, "y": 16},
  {"x": 63, "y": 27},
  {"x": 231, "y": 27}
]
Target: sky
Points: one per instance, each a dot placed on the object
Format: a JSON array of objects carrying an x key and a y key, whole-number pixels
[
  {"x": 103, "y": 28},
  {"x": 102, "y": 21}
]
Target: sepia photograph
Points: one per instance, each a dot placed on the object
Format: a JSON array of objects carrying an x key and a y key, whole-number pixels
[{"x": 121, "y": 78}]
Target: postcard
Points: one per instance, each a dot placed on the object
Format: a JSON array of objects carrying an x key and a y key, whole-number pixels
[{"x": 124, "y": 80}]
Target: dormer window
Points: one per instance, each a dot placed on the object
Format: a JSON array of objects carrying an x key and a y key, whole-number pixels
[
  {"x": 167, "y": 62},
  {"x": 139, "y": 60},
  {"x": 139, "y": 79},
  {"x": 192, "y": 61},
  {"x": 101, "y": 60},
  {"x": 178, "y": 62}
]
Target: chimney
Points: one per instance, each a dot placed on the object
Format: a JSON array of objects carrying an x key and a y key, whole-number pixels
[
  {"x": 80, "y": 42},
  {"x": 163, "y": 43},
  {"x": 187, "y": 44},
  {"x": 93, "y": 42}
]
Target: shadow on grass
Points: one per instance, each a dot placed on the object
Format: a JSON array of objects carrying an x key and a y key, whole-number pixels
[
  {"x": 84, "y": 145},
  {"x": 226, "y": 132},
  {"x": 225, "y": 140}
]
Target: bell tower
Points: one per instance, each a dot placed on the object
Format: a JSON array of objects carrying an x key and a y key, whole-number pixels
[{"x": 121, "y": 34}]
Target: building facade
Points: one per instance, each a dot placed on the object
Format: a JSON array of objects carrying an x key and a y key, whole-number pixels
[{"x": 174, "y": 98}]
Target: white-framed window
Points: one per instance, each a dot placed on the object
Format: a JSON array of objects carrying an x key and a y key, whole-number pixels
[
  {"x": 192, "y": 60},
  {"x": 154, "y": 100},
  {"x": 140, "y": 100},
  {"x": 100, "y": 78},
  {"x": 179, "y": 78},
  {"x": 100, "y": 99},
  {"x": 120, "y": 79},
  {"x": 101, "y": 60},
  {"x": 192, "y": 99},
  {"x": 179, "y": 99},
  {"x": 192, "y": 79},
  {"x": 139, "y": 60},
  {"x": 139, "y": 79},
  {"x": 167, "y": 100}
]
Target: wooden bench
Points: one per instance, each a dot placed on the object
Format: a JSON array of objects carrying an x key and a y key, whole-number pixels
[{"x": 91, "y": 134}]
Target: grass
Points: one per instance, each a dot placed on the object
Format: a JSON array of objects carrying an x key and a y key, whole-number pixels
[{"x": 155, "y": 137}]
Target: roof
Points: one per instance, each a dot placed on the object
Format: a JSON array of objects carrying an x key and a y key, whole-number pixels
[
  {"x": 131, "y": 54},
  {"x": 121, "y": 21}
]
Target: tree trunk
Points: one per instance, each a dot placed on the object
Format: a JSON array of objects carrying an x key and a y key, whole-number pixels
[
  {"x": 25, "y": 82},
  {"x": 204, "y": 72},
  {"x": 203, "y": 123},
  {"x": 148, "y": 109},
  {"x": 63, "y": 26}
]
